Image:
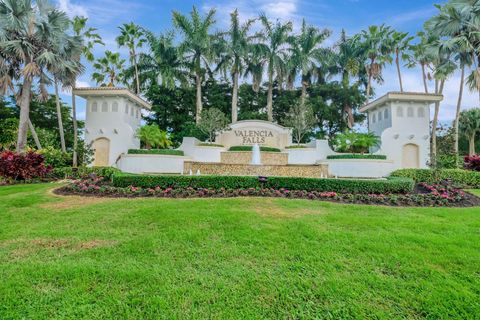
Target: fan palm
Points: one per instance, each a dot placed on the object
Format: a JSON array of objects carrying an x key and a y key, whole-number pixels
[
  {"x": 30, "y": 46},
  {"x": 276, "y": 36},
  {"x": 132, "y": 37},
  {"x": 400, "y": 45},
  {"x": 90, "y": 38},
  {"x": 196, "y": 46},
  {"x": 421, "y": 56},
  {"x": 470, "y": 127},
  {"x": 109, "y": 68}
]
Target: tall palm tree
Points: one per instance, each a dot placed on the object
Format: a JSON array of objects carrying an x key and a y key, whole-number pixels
[
  {"x": 375, "y": 41},
  {"x": 234, "y": 53},
  {"x": 400, "y": 45},
  {"x": 132, "y": 37},
  {"x": 470, "y": 127},
  {"x": 29, "y": 34},
  {"x": 109, "y": 69},
  {"x": 307, "y": 53},
  {"x": 196, "y": 46},
  {"x": 90, "y": 38},
  {"x": 275, "y": 48},
  {"x": 421, "y": 56}
]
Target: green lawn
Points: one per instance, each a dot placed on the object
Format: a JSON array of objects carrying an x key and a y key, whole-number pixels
[{"x": 85, "y": 258}]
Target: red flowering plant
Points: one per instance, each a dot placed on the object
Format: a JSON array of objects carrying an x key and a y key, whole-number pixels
[
  {"x": 472, "y": 163},
  {"x": 22, "y": 166}
]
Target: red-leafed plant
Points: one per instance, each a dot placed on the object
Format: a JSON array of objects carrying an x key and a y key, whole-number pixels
[
  {"x": 22, "y": 166},
  {"x": 472, "y": 162}
]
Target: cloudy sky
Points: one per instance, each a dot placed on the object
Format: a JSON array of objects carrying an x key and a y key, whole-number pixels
[{"x": 352, "y": 15}]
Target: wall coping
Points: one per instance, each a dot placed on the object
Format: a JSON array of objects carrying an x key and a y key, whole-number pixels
[{"x": 358, "y": 160}]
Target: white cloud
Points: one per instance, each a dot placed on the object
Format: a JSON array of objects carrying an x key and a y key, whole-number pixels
[
  {"x": 407, "y": 17},
  {"x": 71, "y": 9}
]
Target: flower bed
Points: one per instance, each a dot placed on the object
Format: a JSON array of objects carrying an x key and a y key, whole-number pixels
[
  {"x": 426, "y": 195},
  {"x": 170, "y": 152},
  {"x": 357, "y": 156}
]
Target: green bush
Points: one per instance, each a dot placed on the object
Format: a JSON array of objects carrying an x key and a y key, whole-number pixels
[
  {"x": 82, "y": 172},
  {"x": 458, "y": 177},
  {"x": 357, "y": 156},
  {"x": 249, "y": 148},
  {"x": 296, "y": 147},
  {"x": 391, "y": 185},
  {"x": 55, "y": 157},
  {"x": 170, "y": 152},
  {"x": 206, "y": 144}
]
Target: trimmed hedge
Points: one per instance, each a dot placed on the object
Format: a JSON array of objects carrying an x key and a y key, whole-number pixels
[
  {"x": 82, "y": 172},
  {"x": 357, "y": 156},
  {"x": 249, "y": 148},
  {"x": 170, "y": 152},
  {"x": 296, "y": 147},
  {"x": 391, "y": 185},
  {"x": 206, "y": 144},
  {"x": 458, "y": 177}
]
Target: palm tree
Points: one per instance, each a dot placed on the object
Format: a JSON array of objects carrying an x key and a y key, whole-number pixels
[
  {"x": 152, "y": 136},
  {"x": 421, "y": 56},
  {"x": 470, "y": 127},
  {"x": 307, "y": 53},
  {"x": 196, "y": 46},
  {"x": 275, "y": 49},
  {"x": 132, "y": 37},
  {"x": 90, "y": 39},
  {"x": 109, "y": 68},
  {"x": 29, "y": 46},
  {"x": 163, "y": 64},
  {"x": 377, "y": 51},
  {"x": 233, "y": 55},
  {"x": 400, "y": 45}
]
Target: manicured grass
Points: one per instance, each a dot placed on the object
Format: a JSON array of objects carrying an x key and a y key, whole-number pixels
[{"x": 87, "y": 258}]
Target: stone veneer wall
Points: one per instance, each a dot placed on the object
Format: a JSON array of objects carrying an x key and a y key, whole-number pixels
[
  {"x": 245, "y": 157},
  {"x": 225, "y": 169}
]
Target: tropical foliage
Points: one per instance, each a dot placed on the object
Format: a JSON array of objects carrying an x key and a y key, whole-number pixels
[{"x": 153, "y": 136}]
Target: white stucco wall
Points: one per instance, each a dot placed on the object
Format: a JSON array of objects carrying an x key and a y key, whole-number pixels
[
  {"x": 359, "y": 168},
  {"x": 151, "y": 163},
  {"x": 316, "y": 150},
  {"x": 190, "y": 147}
]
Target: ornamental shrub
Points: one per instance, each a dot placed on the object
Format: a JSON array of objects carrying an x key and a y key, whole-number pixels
[
  {"x": 458, "y": 177},
  {"x": 82, "y": 172},
  {"x": 357, "y": 156},
  {"x": 381, "y": 186},
  {"x": 55, "y": 157},
  {"x": 249, "y": 148},
  {"x": 22, "y": 166},
  {"x": 472, "y": 163},
  {"x": 170, "y": 152}
]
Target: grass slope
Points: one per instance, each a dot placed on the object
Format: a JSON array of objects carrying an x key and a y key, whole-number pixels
[{"x": 86, "y": 258}]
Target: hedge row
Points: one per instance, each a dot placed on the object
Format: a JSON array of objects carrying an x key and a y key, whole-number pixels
[
  {"x": 357, "y": 156},
  {"x": 459, "y": 177},
  {"x": 82, "y": 172},
  {"x": 206, "y": 144},
  {"x": 249, "y": 148},
  {"x": 391, "y": 185},
  {"x": 170, "y": 152}
]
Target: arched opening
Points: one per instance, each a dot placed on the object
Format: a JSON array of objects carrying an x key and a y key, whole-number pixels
[
  {"x": 410, "y": 156},
  {"x": 102, "y": 152}
]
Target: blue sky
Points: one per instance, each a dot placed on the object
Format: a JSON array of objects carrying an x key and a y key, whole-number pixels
[{"x": 352, "y": 15}]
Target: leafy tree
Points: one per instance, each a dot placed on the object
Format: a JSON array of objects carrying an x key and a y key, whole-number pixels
[
  {"x": 152, "y": 136},
  {"x": 212, "y": 122},
  {"x": 470, "y": 127},
  {"x": 301, "y": 119},
  {"x": 109, "y": 70},
  {"x": 196, "y": 46}
]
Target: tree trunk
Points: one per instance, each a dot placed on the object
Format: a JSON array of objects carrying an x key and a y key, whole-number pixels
[
  {"x": 59, "y": 117},
  {"x": 471, "y": 145},
  {"x": 270, "y": 97},
  {"x": 433, "y": 151},
  {"x": 34, "y": 134},
  {"x": 75, "y": 128},
  {"x": 457, "y": 114},
  {"x": 424, "y": 76},
  {"x": 235, "y": 98},
  {"x": 137, "y": 80},
  {"x": 304, "y": 92},
  {"x": 198, "y": 81},
  {"x": 24, "y": 114},
  {"x": 397, "y": 61},
  {"x": 369, "y": 85},
  {"x": 350, "y": 120}
]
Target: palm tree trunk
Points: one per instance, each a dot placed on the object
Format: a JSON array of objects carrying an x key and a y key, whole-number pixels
[
  {"x": 59, "y": 117},
  {"x": 433, "y": 151},
  {"x": 457, "y": 114},
  {"x": 137, "y": 80},
  {"x": 235, "y": 98},
  {"x": 75, "y": 128},
  {"x": 34, "y": 134},
  {"x": 24, "y": 114},
  {"x": 397, "y": 62},
  {"x": 198, "y": 80},
  {"x": 471, "y": 145},
  {"x": 424, "y": 76},
  {"x": 304, "y": 92},
  {"x": 270, "y": 97}
]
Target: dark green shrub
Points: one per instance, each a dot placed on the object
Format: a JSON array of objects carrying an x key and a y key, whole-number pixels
[
  {"x": 392, "y": 185},
  {"x": 458, "y": 177},
  {"x": 170, "y": 152},
  {"x": 82, "y": 172},
  {"x": 206, "y": 144},
  {"x": 296, "y": 147},
  {"x": 357, "y": 156},
  {"x": 249, "y": 148}
]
